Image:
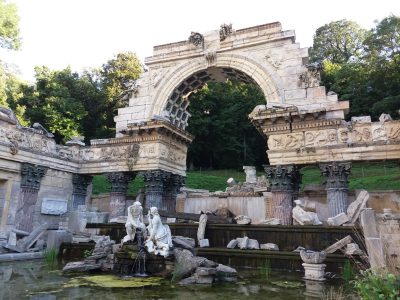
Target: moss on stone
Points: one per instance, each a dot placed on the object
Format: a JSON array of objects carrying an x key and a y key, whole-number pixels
[{"x": 112, "y": 281}]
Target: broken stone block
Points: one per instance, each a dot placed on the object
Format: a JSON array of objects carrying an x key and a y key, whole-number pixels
[
  {"x": 339, "y": 244},
  {"x": 299, "y": 248},
  {"x": 232, "y": 244},
  {"x": 243, "y": 242},
  {"x": 231, "y": 182},
  {"x": 80, "y": 266},
  {"x": 204, "y": 243},
  {"x": 271, "y": 221},
  {"x": 338, "y": 220},
  {"x": 314, "y": 271},
  {"x": 269, "y": 246},
  {"x": 384, "y": 118},
  {"x": 171, "y": 220},
  {"x": 20, "y": 232},
  {"x": 253, "y": 244},
  {"x": 56, "y": 237},
  {"x": 368, "y": 223},
  {"x": 376, "y": 256},
  {"x": 353, "y": 249},
  {"x": 12, "y": 239},
  {"x": 226, "y": 274},
  {"x": 201, "y": 271},
  {"x": 243, "y": 220},
  {"x": 183, "y": 242},
  {"x": 354, "y": 209}
]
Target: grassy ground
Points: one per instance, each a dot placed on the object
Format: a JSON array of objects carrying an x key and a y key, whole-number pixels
[{"x": 370, "y": 176}]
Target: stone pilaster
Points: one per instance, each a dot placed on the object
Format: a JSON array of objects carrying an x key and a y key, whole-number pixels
[
  {"x": 79, "y": 184},
  {"x": 119, "y": 185},
  {"x": 31, "y": 176},
  {"x": 154, "y": 182},
  {"x": 284, "y": 183},
  {"x": 336, "y": 185},
  {"x": 171, "y": 189}
]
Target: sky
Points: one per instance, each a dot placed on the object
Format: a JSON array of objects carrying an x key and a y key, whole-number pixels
[{"x": 86, "y": 33}]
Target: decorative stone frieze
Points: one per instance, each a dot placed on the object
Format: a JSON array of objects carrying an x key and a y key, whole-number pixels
[{"x": 336, "y": 183}]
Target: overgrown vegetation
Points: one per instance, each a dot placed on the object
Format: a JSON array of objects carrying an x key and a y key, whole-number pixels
[
  {"x": 373, "y": 286},
  {"x": 50, "y": 257},
  {"x": 265, "y": 269}
]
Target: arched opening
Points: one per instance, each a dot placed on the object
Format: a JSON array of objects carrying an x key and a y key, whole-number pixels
[{"x": 213, "y": 104}]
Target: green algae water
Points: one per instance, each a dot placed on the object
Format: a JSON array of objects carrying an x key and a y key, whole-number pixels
[{"x": 34, "y": 280}]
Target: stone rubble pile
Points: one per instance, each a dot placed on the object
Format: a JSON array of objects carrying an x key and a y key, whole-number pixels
[{"x": 245, "y": 243}]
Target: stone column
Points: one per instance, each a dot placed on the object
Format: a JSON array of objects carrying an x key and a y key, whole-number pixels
[
  {"x": 79, "y": 184},
  {"x": 154, "y": 181},
  {"x": 336, "y": 186},
  {"x": 171, "y": 189},
  {"x": 31, "y": 176},
  {"x": 284, "y": 182},
  {"x": 119, "y": 184}
]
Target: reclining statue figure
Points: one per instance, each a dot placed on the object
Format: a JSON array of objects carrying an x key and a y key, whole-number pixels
[
  {"x": 303, "y": 217},
  {"x": 159, "y": 240},
  {"x": 134, "y": 222}
]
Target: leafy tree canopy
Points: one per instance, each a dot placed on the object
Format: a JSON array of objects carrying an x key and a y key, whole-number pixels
[
  {"x": 9, "y": 26},
  {"x": 224, "y": 136}
]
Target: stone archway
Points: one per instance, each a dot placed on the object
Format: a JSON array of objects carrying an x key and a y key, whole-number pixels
[{"x": 193, "y": 74}]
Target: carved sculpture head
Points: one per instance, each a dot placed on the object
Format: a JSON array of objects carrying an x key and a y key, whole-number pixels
[{"x": 154, "y": 211}]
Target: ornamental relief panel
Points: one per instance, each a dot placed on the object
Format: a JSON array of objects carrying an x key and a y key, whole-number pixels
[{"x": 361, "y": 133}]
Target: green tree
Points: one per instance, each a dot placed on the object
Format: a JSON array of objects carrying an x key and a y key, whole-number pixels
[
  {"x": 118, "y": 78},
  {"x": 55, "y": 102},
  {"x": 338, "y": 42},
  {"x": 9, "y": 26},
  {"x": 224, "y": 136}
]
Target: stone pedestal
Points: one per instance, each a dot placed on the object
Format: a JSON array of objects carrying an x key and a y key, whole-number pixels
[
  {"x": 284, "y": 182},
  {"x": 119, "y": 184},
  {"x": 31, "y": 176},
  {"x": 80, "y": 184},
  {"x": 171, "y": 188},
  {"x": 314, "y": 271},
  {"x": 336, "y": 186}
]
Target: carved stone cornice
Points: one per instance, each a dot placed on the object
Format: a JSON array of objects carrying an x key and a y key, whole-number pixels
[
  {"x": 80, "y": 183},
  {"x": 31, "y": 175},
  {"x": 119, "y": 181},
  {"x": 283, "y": 178},
  {"x": 336, "y": 174}
]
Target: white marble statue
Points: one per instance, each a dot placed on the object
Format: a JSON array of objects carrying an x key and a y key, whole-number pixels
[
  {"x": 159, "y": 240},
  {"x": 134, "y": 221},
  {"x": 303, "y": 217}
]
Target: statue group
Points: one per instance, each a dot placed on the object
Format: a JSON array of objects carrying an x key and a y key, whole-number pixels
[{"x": 158, "y": 239}]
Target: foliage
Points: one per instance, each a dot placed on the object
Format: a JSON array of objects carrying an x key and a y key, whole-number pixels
[
  {"x": 369, "y": 74},
  {"x": 101, "y": 185},
  {"x": 224, "y": 136},
  {"x": 87, "y": 253},
  {"x": 9, "y": 26},
  {"x": 372, "y": 286},
  {"x": 347, "y": 272},
  {"x": 50, "y": 257},
  {"x": 265, "y": 269},
  {"x": 338, "y": 42}
]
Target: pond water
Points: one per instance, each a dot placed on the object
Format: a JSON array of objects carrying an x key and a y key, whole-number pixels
[{"x": 34, "y": 280}]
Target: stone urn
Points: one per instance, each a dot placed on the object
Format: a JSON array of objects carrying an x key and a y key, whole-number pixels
[{"x": 312, "y": 257}]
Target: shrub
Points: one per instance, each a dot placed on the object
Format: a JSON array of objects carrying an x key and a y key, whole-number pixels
[{"x": 372, "y": 286}]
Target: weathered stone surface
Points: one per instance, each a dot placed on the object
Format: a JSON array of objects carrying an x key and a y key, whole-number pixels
[
  {"x": 368, "y": 223},
  {"x": 226, "y": 273},
  {"x": 20, "y": 256},
  {"x": 183, "y": 242},
  {"x": 354, "y": 209},
  {"x": 353, "y": 249},
  {"x": 80, "y": 266},
  {"x": 231, "y": 182},
  {"x": 312, "y": 257},
  {"x": 54, "y": 206},
  {"x": 20, "y": 232},
  {"x": 202, "y": 271},
  {"x": 376, "y": 256},
  {"x": 314, "y": 271},
  {"x": 271, "y": 221},
  {"x": 251, "y": 174},
  {"x": 204, "y": 243},
  {"x": 56, "y": 237},
  {"x": 232, "y": 244},
  {"x": 188, "y": 281},
  {"x": 339, "y": 244},
  {"x": 338, "y": 220},
  {"x": 243, "y": 220},
  {"x": 243, "y": 242},
  {"x": 12, "y": 239},
  {"x": 119, "y": 219},
  {"x": 171, "y": 220},
  {"x": 187, "y": 262},
  {"x": 204, "y": 279},
  {"x": 253, "y": 244},
  {"x": 269, "y": 246},
  {"x": 202, "y": 227},
  {"x": 299, "y": 248}
]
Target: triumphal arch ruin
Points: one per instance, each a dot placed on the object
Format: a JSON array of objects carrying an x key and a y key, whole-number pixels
[{"x": 302, "y": 124}]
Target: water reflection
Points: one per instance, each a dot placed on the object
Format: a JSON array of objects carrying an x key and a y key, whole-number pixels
[{"x": 34, "y": 281}]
